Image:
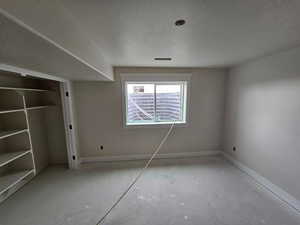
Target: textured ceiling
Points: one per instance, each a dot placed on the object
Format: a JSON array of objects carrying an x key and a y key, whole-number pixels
[
  {"x": 133, "y": 32},
  {"x": 217, "y": 33}
]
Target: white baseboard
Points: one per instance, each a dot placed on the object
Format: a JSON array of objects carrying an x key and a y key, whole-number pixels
[
  {"x": 147, "y": 156},
  {"x": 274, "y": 189}
]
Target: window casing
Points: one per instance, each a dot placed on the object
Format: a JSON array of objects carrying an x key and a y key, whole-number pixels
[{"x": 155, "y": 102}]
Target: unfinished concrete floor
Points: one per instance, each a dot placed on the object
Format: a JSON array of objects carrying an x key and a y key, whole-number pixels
[{"x": 207, "y": 191}]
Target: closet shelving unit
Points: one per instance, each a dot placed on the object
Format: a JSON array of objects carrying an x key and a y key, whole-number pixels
[
  {"x": 36, "y": 126},
  {"x": 17, "y": 161}
]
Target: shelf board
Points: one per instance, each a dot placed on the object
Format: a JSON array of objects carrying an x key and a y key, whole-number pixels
[
  {"x": 4, "y": 134},
  {"x": 2, "y": 111},
  {"x": 38, "y": 107},
  {"x": 9, "y": 180},
  {"x": 23, "y": 89},
  {"x": 9, "y": 157}
]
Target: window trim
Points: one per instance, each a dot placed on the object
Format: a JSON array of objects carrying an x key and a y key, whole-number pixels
[
  {"x": 155, "y": 78},
  {"x": 183, "y": 87}
]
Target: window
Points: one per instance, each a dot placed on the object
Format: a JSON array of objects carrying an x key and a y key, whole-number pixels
[{"x": 155, "y": 102}]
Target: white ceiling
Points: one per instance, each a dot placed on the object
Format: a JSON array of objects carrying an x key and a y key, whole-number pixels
[{"x": 133, "y": 32}]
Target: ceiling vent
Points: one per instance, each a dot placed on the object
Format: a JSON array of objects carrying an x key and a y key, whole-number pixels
[
  {"x": 179, "y": 22},
  {"x": 163, "y": 59}
]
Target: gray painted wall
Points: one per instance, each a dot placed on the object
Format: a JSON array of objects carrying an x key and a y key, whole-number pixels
[
  {"x": 98, "y": 110},
  {"x": 262, "y": 118}
]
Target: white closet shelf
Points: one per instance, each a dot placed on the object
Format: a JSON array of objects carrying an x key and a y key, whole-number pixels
[
  {"x": 11, "y": 179},
  {"x": 23, "y": 89},
  {"x": 2, "y": 111},
  {"x": 38, "y": 107},
  {"x": 9, "y": 157},
  {"x": 4, "y": 134}
]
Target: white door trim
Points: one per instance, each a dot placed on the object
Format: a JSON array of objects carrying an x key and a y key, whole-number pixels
[{"x": 70, "y": 130}]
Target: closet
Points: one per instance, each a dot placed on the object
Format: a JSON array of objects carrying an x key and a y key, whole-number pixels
[{"x": 32, "y": 129}]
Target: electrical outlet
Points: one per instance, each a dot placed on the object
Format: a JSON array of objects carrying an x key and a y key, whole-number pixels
[{"x": 234, "y": 148}]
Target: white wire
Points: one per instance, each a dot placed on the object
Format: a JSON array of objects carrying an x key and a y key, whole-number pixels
[{"x": 137, "y": 177}]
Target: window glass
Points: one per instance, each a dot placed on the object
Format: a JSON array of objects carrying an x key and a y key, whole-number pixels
[
  {"x": 168, "y": 102},
  {"x": 140, "y": 103}
]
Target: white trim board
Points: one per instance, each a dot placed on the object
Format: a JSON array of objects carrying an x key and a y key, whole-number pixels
[
  {"x": 278, "y": 192},
  {"x": 70, "y": 132},
  {"x": 25, "y": 72},
  {"x": 146, "y": 156}
]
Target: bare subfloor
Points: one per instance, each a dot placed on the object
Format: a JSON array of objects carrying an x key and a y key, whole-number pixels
[{"x": 196, "y": 191}]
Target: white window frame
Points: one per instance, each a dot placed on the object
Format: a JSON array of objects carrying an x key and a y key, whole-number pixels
[{"x": 151, "y": 78}]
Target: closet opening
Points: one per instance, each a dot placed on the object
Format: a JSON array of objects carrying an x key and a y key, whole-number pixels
[{"x": 33, "y": 134}]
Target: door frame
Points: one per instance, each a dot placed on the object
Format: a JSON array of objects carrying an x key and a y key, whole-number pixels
[{"x": 67, "y": 109}]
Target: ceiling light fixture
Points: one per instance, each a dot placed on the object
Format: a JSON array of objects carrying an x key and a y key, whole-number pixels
[
  {"x": 163, "y": 59},
  {"x": 179, "y": 22}
]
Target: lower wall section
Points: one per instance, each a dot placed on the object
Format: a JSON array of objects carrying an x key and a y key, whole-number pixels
[
  {"x": 147, "y": 156},
  {"x": 277, "y": 191},
  {"x": 262, "y": 118}
]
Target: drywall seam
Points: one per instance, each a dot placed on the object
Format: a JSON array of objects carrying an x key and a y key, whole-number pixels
[
  {"x": 146, "y": 156},
  {"x": 279, "y": 193},
  {"x": 34, "y": 31}
]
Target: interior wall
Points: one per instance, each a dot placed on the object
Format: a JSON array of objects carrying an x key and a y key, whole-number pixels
[
  {"x": 55, "y": 127},
  {"x": 262, "y": 118},
  {"x": 98, "y": 107}
]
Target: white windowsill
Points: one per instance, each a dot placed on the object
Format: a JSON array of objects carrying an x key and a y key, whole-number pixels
[{"x": 155, "y": 125}]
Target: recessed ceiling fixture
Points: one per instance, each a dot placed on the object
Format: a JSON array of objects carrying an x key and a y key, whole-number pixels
[
  {"x": 179, "y": 22},
  {"x": 163, "y": 59}
]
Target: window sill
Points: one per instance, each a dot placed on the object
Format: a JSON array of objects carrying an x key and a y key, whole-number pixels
[{"x": 155, "y": 125}]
